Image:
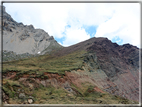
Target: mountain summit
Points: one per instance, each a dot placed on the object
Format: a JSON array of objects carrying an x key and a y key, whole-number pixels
[
  {"x": 119, "y": 65},
  {"x": 21, "y": 38}
]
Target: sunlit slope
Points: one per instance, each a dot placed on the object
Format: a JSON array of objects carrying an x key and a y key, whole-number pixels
[
  {"x": 73, "y": 83},
  {"x": 47, "y": 63},
  {"x": 73, "y": 70}
]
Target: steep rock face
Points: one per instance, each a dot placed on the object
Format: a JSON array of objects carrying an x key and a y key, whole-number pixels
[
  {"x": 113, "y": 58},
  {"x": 21, "y": 38},
  {"x": 121, "y": 65},
  {"x": 114, "y": 68}
]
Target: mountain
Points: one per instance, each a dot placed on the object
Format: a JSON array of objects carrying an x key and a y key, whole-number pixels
[
  {"x": 22, "y": 39},
  {"x": 95, "y": 71},
  {"x": 119, "y": 64}
]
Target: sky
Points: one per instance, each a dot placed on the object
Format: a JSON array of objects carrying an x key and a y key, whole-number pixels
[{"x": 70, "y": 23}]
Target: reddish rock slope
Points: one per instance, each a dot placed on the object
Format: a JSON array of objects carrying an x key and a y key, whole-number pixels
[{"x": 112, "y": 67}]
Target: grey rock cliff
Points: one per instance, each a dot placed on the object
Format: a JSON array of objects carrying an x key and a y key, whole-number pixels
[{"x": 21, "y": 38}]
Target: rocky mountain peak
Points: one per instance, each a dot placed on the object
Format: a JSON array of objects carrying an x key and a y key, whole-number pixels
[
  {"x": 21, "y": 38},
  {"x": 2, "y": 8}
]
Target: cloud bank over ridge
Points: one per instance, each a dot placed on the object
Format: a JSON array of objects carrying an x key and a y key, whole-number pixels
[{"x": 69, "y": 22}]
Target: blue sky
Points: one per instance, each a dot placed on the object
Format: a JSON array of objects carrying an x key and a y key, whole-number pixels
[
  {"x": 71, "y": 23},
  {"x": 91, "y": 30}
]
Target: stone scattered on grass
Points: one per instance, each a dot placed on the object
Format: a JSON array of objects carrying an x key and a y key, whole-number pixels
[{"x": 30, "y": 100}]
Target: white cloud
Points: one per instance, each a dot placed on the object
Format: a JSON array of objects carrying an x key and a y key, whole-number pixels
[
  {"x": 112, "y": 19},
  {"x": 75, "y": 35},
  {"x": 125, "y": 23}
]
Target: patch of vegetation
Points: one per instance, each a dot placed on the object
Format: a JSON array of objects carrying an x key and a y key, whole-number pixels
[
  {"x": 52, "y": 95},
  {"x": 9, "y": 87},
  {"x": 89, "y": 91},
  {"x": 46, "y": 63}
]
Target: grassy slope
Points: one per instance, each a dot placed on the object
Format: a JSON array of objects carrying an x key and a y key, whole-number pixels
[
  {"x": 52, "y": 95},
  {"x": 47, "y": 63}
]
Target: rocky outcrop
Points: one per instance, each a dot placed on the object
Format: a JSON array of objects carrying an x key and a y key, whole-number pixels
[
  {"x": 114, "y": 68},
  {"x": 21, "y": 38}
]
